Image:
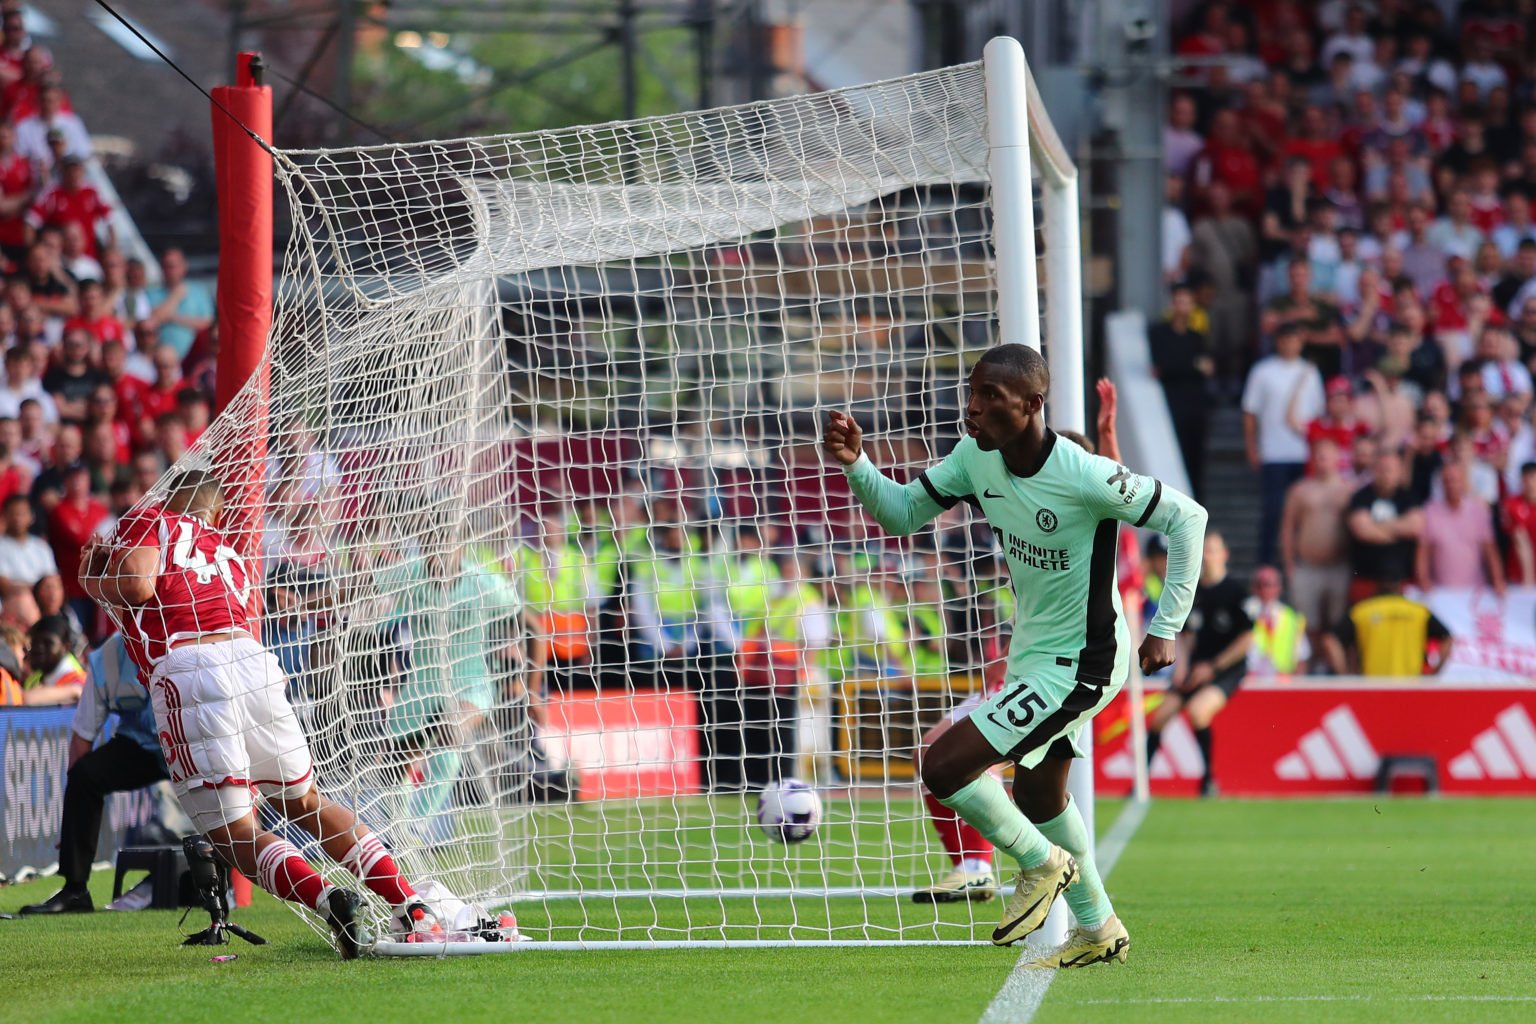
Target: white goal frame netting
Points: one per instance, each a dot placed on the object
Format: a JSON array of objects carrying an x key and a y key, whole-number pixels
[{"x": 562, "y": 391}]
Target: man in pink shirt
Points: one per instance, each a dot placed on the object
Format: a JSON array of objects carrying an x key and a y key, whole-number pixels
[{"x": 1456, "y": 548}]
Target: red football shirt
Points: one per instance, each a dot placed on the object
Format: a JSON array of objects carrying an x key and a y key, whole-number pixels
[
  {"x": 104, "y": 328},
  {"x": 70, "y": 527},
  {"x": 1519, "y": 517},
  {"x": 58, "y": 205},
  {"x": 15, "y": 179},
  {"x": 202, "y": 586}
]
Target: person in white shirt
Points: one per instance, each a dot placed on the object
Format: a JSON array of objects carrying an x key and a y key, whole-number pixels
[
  {"x": 24, "y": 557},
  {"x": 1181, "y": 143},
  {"x": 1503, "y": 374},
  {"x": 32, "y": 132},
  {"x": 22, "y": 383},
  {"x": 1480, "y": 69},
  {"x": 1274, "y": 448},
  {"x": 1455, "y": 234},
  {"x": 1176, "y": 233},
  {"x": 1352, "y": 39}
]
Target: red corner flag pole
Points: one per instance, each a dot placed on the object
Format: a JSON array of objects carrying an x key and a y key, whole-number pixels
[
  {"x": 244, "y": 175},
  {"x": 244, "y": 172}
]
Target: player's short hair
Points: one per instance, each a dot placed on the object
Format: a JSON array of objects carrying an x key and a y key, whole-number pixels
[
  {"x": 1078, "y": 439},
  {"x": 193, "y": 490},
  {"x": 1020, "y": 361}
]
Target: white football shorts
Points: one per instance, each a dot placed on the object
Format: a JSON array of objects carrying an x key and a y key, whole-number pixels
[{"x": 226, "y": 728}]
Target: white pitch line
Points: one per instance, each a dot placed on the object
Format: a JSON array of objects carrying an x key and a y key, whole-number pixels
[{"x": 1024, "y": 990}]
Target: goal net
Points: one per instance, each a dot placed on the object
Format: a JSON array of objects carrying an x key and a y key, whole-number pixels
[{"x": 550, "y": 554}]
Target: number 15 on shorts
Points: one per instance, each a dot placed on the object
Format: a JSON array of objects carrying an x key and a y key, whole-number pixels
[{"x": 1019, "y": 704}]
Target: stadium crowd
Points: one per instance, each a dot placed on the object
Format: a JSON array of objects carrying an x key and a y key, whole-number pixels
[{"x": 1350, "y": 245}]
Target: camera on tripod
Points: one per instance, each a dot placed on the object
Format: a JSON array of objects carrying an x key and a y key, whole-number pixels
[{"x": 210, "y": 876}]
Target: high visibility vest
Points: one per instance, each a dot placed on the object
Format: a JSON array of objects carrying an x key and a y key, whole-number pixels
[
  {"x": 929, "y": 656},
  {"x": 749, "y": 586},
  {"x": 857, "y": 642},
  {"x": 10, "y": 690},
  {"x": 1275, "y": 637},
  {"x": 673, "y": 582}
]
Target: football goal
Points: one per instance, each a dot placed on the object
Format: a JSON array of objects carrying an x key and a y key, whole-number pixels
[{"x": 559, "y": 574}]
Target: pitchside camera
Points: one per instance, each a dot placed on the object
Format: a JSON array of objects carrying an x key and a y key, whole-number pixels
[{"x": 211, "y": 877}]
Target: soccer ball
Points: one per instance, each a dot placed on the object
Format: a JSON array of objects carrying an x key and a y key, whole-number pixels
[{"x": 789, "y": 811}]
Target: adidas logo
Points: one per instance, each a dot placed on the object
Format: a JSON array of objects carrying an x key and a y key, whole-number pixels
[
  {"x": 1337, "y": 749},
  {"x": 1177, "y": 758},
  {"x": 1505, "y": 750}
]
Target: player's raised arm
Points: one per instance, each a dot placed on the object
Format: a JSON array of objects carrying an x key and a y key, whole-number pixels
[
  {"x": 1113, "y": 491},
  {"x": 900, "y": 508},
  {"x": 119, "y": 576}
]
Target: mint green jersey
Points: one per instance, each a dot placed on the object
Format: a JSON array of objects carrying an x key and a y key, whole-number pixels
[{"x": 1058, "y": 530}]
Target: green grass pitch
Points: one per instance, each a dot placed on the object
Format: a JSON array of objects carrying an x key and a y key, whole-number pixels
[{"x": 1349, "y": 910}]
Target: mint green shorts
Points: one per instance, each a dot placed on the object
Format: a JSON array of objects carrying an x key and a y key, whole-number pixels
[{"x": 1031, "y": 712}]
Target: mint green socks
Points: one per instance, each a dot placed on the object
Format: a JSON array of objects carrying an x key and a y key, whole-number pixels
[
  {"x": 1086, "y": 896},
  {"x": 986, "y": 804}
]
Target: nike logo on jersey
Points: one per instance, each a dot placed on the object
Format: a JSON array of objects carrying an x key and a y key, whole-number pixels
[{"x": 988, "y": 494}]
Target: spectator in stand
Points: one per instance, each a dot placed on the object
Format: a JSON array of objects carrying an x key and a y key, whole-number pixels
[
  {"x": 48, "y": 488},
  {"x": 1337, "y": 421},
  {"x": 1313, "y": 143},
  {"x": 156, "y": 401},
  {"x": 74, "y": 201},
  {"x": 1426, "y": 455},
  {"x": 1351, "y": 37},
  {"x": 74, "y": 521},
  {"x": 193, "y": 410},
  {"x": 180, "y": 308},
  {"x": 1480, "y": 69},
  {"x": 1456, "y": 548},
  {"x": 77, "y": 263},
  {"x": 1224, "y": 251},
  {"x": 13, "y": 45},
  {"x": 1438, "y": 127},
  {"x": 1499, "y": 358},
  {"x": 171, "y": 437},
  {"x": 1464, "y": 450},
  {"x": 1181, "y": 360},
  {"x": 1519, "y": 447},
  {"x": 1483, "y": 199},
  {"x": 21, "y": 384},
  {"x": 72, "y": 379},
  {"x": 14, "y": 441},
  {"x": 128, "y": 387},
  {"x": 1388, "y": 635},
  {"x": 1314, "y": 545},
  {"x": 96, "y": 317},
  {"x": 1286, "y": 208},
  {"x": 1181, "y": 142},
  {"x": 1520, "y": 271},
  {"x": 1454, "y": 234},
  {"x": 1423, "y": 261},
  {"x": 103, "y": 409},
  {"x": 101, "y": 458},
  {"x": 1276, "y": 450},
  {"x": 126, "y": 303},
  {"x": 1228, "y": 158},
  {"x": 1519, "y": 522},
  {"x": 1385, "y": 522},
  {"x": 1176, "y": 234},
  {"x": 19, "y": 185},
  {"x": 1343, "y": 192},
  {"x": 1318, "y": 319},
  {"x": 1387, "y": 407},
  {"x": 32, "y": 132},
  {"x": 24, "y": 557}
]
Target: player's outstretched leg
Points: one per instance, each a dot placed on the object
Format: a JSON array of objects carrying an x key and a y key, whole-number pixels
[
  {"x": 971, "y": 877},
  {"x": 278, "y": 867},
  {"x": 1098, "y": 937},
  {"x": 349, "y": 843},
  {"x": 956, "y": 771}
]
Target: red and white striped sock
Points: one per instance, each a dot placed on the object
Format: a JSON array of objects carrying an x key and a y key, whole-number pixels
[
  {"x": 284, "y": 873},
  {"x": 374, "y": 867}
]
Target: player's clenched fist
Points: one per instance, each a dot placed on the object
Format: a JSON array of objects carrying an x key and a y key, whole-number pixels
[{"x": 843, "y": 440}]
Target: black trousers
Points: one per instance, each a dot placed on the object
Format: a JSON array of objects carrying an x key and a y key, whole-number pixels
[{"x": 117, "y": 765}]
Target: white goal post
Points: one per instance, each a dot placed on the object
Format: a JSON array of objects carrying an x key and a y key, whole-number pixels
[{"x": 551, "y": 557}]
